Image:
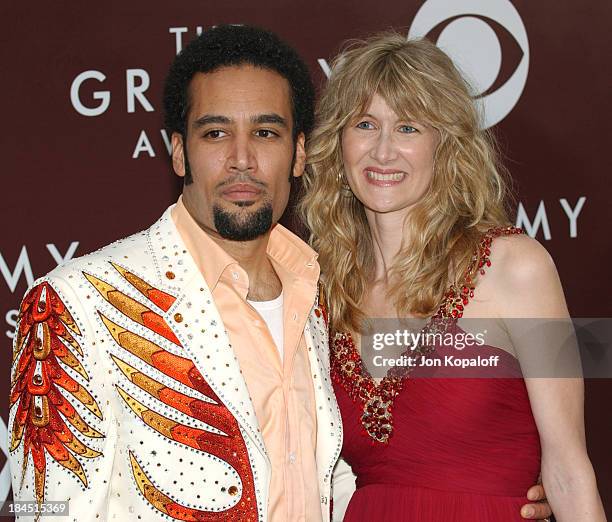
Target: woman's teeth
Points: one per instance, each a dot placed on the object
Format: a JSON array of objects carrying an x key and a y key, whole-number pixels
[{"x": 395, "y": 176}]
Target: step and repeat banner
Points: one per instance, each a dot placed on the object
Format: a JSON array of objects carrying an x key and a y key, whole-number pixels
[{"x": 86, "y": 159}]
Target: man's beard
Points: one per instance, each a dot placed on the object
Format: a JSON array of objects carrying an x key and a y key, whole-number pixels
[{"x": 239, "y": 227}]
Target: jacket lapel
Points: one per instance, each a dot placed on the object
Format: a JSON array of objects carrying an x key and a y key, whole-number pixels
[
  {"x": 329, "y": 423},
  {"x": 197, "y": 324}
]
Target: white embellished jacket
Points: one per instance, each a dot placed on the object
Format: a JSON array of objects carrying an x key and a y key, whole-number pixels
[{"x": 127, "y": 400}]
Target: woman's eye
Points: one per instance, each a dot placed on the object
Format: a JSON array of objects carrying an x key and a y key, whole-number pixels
[
  {"x": 407, "y": 129},
  {"x": 364, "y": 125}
]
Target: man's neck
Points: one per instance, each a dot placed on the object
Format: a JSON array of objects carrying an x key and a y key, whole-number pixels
[
  {"x": 264, "y": 284},
  {"x": 252, "y": 256}
]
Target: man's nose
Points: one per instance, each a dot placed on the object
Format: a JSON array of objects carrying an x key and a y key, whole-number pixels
[{"x": 241, "y": 155}]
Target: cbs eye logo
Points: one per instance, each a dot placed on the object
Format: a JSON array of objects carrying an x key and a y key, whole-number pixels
[{"x": 472, "y": 33}]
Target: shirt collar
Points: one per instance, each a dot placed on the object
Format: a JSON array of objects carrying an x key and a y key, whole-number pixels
[{"x": 284, "y": 248}]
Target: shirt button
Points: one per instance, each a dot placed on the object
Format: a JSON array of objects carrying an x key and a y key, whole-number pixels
[
  {"x": 292, "y": 457},
  {"x": 178, "y": 318}
]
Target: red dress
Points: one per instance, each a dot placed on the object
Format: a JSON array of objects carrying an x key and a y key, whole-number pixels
[{"x": 461, "y": 449}]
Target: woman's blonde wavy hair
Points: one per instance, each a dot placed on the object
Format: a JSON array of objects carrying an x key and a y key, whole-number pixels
[{"x": 466, "y": 197}]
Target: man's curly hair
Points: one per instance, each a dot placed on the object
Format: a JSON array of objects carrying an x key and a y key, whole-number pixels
[{"x": 233, "y": 45}]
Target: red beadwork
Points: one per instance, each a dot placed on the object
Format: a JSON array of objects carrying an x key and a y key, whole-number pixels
[
  {"x": 229, "y": 446},
  {"x": 42, "y": 412},
  {"x": 348, "y": 370}
]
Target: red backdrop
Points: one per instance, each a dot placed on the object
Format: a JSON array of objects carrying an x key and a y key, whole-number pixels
[{"x": 75, "y": 182}]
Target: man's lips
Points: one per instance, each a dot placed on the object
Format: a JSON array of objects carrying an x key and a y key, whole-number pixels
[
  {"x": 383, "y": 177},
  {"x": 240, "y": 192}
]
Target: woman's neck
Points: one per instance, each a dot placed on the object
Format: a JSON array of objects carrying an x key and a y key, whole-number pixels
[{"x": 387, "y": 237}]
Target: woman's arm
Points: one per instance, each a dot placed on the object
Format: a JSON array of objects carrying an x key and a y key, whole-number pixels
[{"x": 529, "y": 288}]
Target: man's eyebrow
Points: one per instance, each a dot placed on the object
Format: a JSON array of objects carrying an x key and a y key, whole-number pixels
[
  {"x": 270, "y": 118},
  {"x": 209, "y": 119}
]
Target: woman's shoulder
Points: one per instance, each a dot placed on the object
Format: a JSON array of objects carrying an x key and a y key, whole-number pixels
[
  {"x": 523, "y": 278},
  {"x": 520, "y": 259}
]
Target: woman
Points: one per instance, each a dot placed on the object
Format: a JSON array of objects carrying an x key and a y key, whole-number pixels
[{"x": 406, "y": 204}]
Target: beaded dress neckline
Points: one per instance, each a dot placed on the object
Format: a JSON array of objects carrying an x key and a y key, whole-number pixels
[{"x": 376, "y": 399}]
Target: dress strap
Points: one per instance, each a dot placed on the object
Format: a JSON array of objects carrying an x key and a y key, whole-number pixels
[{"x": 456, "y": 299}]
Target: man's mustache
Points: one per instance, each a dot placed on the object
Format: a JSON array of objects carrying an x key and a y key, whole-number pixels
[{"x": 242, "y": 178}]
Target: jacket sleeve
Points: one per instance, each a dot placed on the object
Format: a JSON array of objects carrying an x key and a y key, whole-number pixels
[
  {"x": 61, "y": 442},
  {"x": 343, "y": 487}
]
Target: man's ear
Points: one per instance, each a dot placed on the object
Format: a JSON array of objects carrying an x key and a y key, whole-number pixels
[
  {"x": 178, "y": 154},
  {"x": 300, "y": 156}
]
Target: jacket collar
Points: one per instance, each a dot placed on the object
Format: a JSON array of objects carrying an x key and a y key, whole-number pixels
[
  {"x": 197, "y": 324},
  {"x": 202, "y": 334}
]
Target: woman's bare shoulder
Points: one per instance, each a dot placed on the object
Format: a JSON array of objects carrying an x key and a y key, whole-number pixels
[{"x": 524, "y": 278}]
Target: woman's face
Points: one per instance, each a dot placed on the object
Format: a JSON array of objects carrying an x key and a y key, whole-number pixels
[{"x": 388, "y": 161}]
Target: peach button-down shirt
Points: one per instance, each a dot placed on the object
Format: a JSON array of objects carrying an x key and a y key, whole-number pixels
[{"x": 282, "y": 391}]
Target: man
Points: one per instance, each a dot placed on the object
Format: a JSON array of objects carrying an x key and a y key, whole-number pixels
[{"x": 182, "y": 373}]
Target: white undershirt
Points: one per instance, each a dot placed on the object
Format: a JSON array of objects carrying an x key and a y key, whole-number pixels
[{"x": 272, "y": 313}]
